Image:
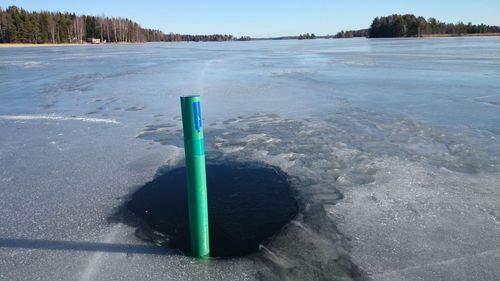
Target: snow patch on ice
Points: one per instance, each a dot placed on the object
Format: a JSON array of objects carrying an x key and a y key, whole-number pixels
[
  {"x": 414, "y": 216},
  {"x": 22, "y": 64},
  {"x": 57, "y": 118}
]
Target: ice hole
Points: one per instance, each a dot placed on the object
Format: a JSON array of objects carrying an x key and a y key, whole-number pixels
[{"x": 248, "y": 203}]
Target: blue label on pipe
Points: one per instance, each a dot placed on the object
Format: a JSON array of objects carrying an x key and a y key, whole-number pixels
[{"x": 198, "y": 123}]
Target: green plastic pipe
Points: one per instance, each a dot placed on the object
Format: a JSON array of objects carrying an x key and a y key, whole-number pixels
[{"x": 196, "y": 176}]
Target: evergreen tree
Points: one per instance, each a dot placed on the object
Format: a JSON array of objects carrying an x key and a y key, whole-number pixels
[
  {"x": 19, "y": 26},
  {"x": 411, "y": 26}
]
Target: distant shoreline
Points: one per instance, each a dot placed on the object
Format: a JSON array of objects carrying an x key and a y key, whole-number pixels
[
  {"x": 461, "y": 35},
  {"x": 25, "y": 45}
]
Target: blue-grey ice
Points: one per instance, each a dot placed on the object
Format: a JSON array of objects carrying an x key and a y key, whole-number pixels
[{"x": 392, "y": 146}]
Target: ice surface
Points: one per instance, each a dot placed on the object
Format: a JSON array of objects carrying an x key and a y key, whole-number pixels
[{"x": 392, "y": 147}]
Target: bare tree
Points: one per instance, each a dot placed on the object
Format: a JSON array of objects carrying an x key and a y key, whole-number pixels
[
  {"x": 52, "y": 29},
  {"x": 102, "y": 22},
  {"x": 79, "y": 29}
]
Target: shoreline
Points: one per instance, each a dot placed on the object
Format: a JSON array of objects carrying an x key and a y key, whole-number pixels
[
  {"x": 462, "y": 35},
  {"x": 26, "y": 45}
]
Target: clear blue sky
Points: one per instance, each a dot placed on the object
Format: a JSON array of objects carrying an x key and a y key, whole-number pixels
[{"x": 261, "y": 18}]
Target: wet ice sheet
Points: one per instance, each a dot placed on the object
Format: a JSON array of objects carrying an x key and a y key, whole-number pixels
[
  {"x": 392, "y": 144},
  {"x": 60, "y": 190},
  {"x": 443, "y": 81}
]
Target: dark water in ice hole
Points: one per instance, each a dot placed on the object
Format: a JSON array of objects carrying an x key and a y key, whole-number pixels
[{"x": 248, "y": 203}]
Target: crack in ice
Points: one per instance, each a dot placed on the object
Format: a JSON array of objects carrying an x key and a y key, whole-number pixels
[{"x": 96, "y": 258}]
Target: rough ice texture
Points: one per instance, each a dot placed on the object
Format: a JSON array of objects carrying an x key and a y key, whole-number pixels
[{"x": 392, "y": 145}]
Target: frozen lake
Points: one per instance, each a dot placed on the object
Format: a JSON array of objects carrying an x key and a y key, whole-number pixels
[{"x": 392, "y": 147}]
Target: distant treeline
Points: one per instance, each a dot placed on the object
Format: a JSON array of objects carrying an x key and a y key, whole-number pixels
[
  {"x": 20, "y": 26},
  {"x": 307, "y": 36},
  {"x": 411, "y": 26},
  {"x": 352, "y": 33},
  {"x": 172, "y": 37}
]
